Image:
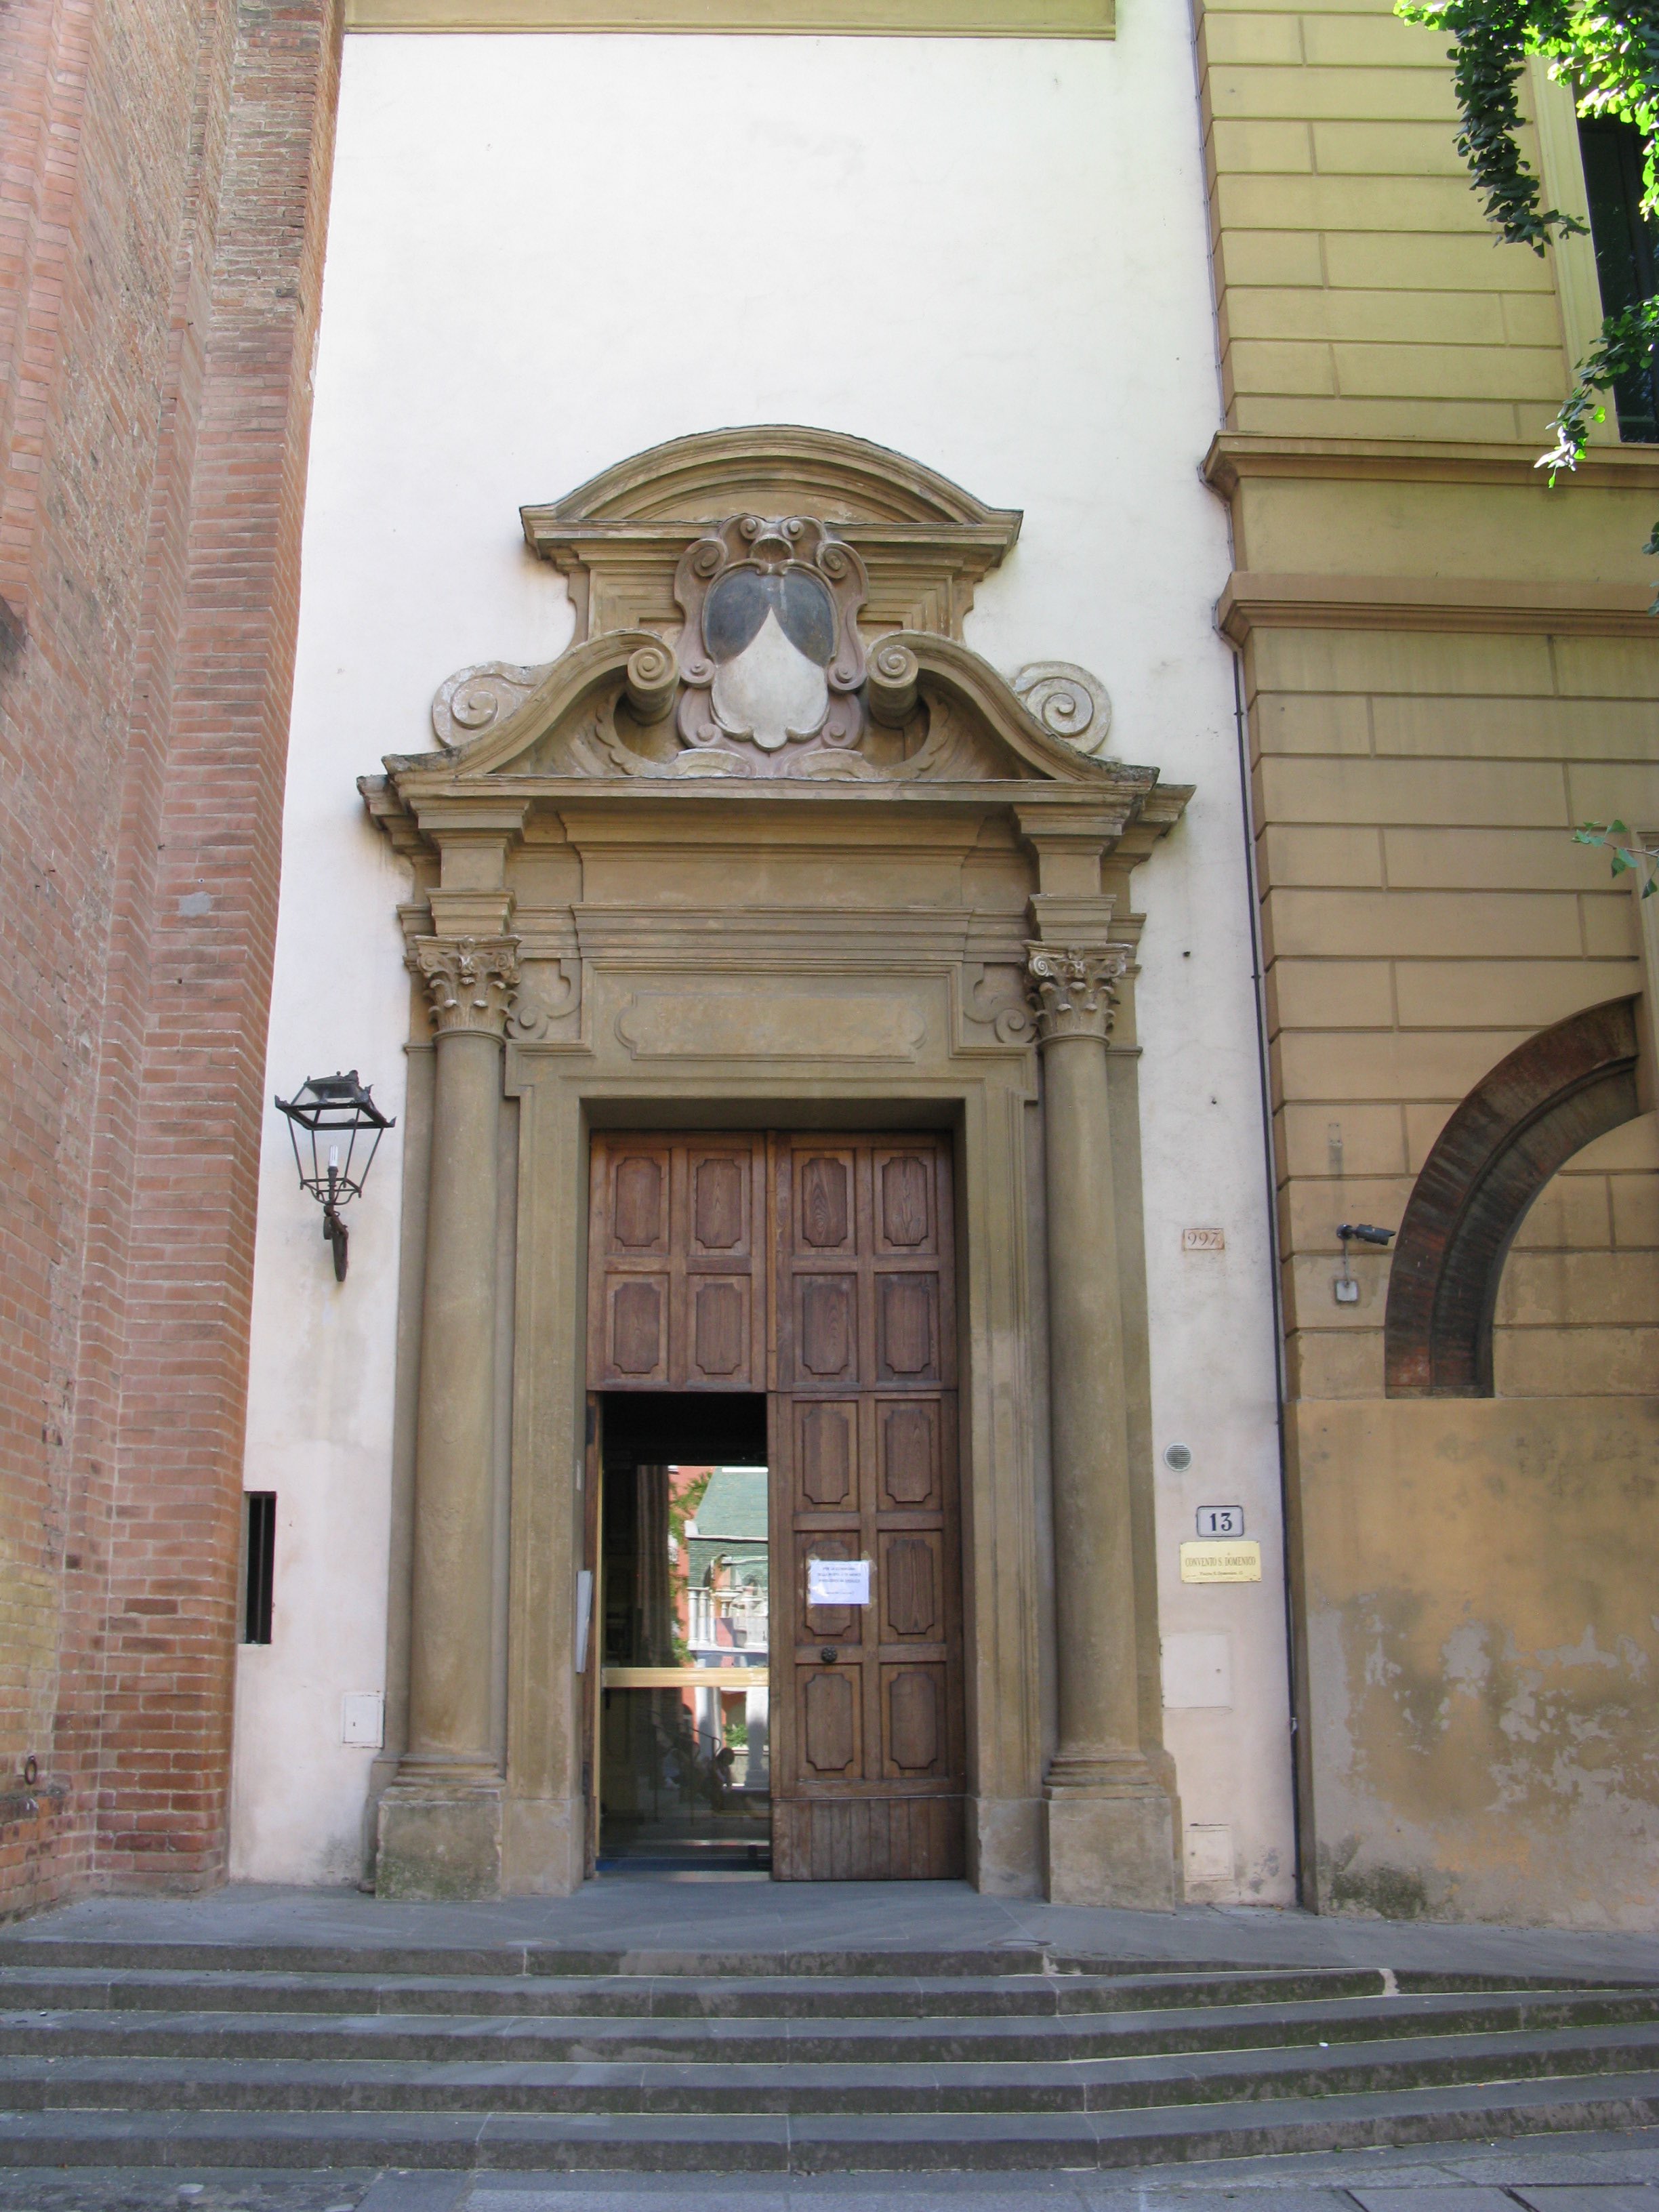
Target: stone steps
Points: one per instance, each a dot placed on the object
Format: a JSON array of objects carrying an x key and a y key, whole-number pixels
[
  {"x": 821, "y": 2039},
  {"x": 782, "y": 2143},
  {"x": 454, "y": 1963},
  {"x": 629, "y": 1996},
  {"x": 519, "y": 2057},
  {"x": 1102, "y": 2085}
]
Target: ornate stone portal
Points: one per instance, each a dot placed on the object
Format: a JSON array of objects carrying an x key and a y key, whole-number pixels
[{"x": 769, "y": 846}]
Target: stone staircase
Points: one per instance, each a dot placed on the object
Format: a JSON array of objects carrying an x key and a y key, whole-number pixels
[{"x": 529, "y": 2057}]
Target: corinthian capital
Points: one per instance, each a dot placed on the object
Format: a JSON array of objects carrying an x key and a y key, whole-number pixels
[
  {"x": 1073, "y": 993},
  {"x": 472, "y": 980}
]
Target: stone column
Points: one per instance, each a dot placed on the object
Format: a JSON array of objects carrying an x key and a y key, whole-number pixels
[
  {"x": 1109, "y": 1819},
  {"x": 440, "y": 1820}
]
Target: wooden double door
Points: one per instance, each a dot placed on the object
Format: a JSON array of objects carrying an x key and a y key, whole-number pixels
[{"x": 821, "y": 1271}]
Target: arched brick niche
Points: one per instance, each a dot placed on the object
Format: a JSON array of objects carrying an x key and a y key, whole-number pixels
[{"x": 1550, "y": 1097}]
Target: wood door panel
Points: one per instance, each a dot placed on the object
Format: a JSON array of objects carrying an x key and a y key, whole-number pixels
[
  {"x": 825, "y": 1214},
  {"x": 637, "y": 1330},
  {"x": 910, "y": 1587},
  {"x": 677, "y": 1263},
  {"x": 915, "y": 1722},
  {"x": 906, "y": 1201},
  {"x": 826, "y": 1455},
  {"x": 721, "y": 1322},
  {"x": 867, "y": 1755},
  {"x": 906, "y": 1327},
  {"x": 831, "y": 1733},
  {"x": 891, "y": 1839},
  {"x": 910, "y": 1446},
  {"x": 639, "y": 1200},
  {"x": 826, "y": 1327},
  {"x": 721, "y": 1216}
]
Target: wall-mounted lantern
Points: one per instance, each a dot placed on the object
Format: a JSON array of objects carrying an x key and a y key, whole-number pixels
[{"x": 335, "y": 1111}]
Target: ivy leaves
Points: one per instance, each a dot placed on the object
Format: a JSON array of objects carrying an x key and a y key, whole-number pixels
[
  {"x": 1628, "y": 855},
  {"x": 1493, "y": 41},
  {"x": 1609, "y": 55}
]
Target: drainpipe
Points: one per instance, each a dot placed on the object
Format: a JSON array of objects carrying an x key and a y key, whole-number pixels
[{"x": 1258, "y": 980}]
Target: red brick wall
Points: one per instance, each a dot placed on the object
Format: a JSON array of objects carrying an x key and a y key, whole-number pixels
[{"x": 163, "y": 193}]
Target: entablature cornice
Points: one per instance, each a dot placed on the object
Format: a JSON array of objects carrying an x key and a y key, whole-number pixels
[
  {"x": 621, "y": 574},
  {"x": 814, "y": 814},
  {"x": 1255, "y": 599},
  {"x": 1236, "y": 456}
]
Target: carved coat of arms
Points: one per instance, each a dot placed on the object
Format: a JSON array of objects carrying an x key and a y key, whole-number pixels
[{"x": 770, "y": 655}]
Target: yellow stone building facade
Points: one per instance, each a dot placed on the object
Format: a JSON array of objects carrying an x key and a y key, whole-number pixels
[{"x": 1445, "y": 667}]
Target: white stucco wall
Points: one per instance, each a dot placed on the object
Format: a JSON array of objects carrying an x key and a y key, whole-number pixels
[{"x": 548, "y": 252}]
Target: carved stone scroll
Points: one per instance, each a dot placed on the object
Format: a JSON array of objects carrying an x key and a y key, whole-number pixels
[
  {"x": 652, "y": 683},
  {"x": 473, "y": 700},
  {"x": 895, "y": 673},
  {"x": 1068, "y": 701},
  {"x": 537, "y": 1005}
]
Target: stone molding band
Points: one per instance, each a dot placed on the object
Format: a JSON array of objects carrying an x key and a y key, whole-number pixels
[
  {"x": 1238, "y": 455},
  {"x": 1258, "y": 599}
]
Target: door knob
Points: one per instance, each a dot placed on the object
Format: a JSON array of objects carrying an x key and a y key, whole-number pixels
[{"x": 829, "y": 1654}]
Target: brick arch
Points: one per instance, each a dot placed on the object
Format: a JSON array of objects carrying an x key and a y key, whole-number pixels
[{"x": 1522, "y": 1121}]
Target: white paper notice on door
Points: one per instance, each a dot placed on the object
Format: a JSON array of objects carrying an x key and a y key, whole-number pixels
[{"x": 838, "y": 1581}]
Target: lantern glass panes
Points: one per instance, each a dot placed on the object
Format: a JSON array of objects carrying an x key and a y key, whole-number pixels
[{"x": 335, "y": 1128}]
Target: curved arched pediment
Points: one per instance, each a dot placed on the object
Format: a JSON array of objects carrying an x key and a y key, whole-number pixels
[
  {"x": 606, "y": 709},
  {"x": 772, "y": 468},
  {"x": 923, "y": 542}
]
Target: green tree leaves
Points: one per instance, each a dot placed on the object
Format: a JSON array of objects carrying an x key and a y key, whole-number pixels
[{"x": 1609, "y": 55}]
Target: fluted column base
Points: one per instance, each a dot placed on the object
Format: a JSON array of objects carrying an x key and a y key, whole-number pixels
[
  {"x": 1108, "y": 1843},
  {"x": 440, "y": 1832}
]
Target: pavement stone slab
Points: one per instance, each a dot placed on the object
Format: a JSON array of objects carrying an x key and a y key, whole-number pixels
[
  {"x": 1601, "y": 2159},
  {"x": 850, "y": 2196},
  {"x": 1469, "y": 2197},
  {"x": 1588, "y": 2197},
  {"x": 1212, "y": 2200},
  {"x": 414, "y": 2192},
  {"x": 152, "y": 2188}
]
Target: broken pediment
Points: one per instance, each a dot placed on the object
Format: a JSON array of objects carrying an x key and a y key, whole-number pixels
[
  {"x": 927, "y": 709},
  {"x": 778, "y": 607}
]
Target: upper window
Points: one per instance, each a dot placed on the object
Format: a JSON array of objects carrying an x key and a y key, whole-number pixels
[{"x": 1627, "y": 256}]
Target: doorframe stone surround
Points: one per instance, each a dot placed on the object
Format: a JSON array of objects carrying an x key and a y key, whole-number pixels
[{"x": 891, "y": 952}]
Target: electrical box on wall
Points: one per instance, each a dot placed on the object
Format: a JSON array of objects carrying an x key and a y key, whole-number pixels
[{"x": 363, "y": 1719}]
